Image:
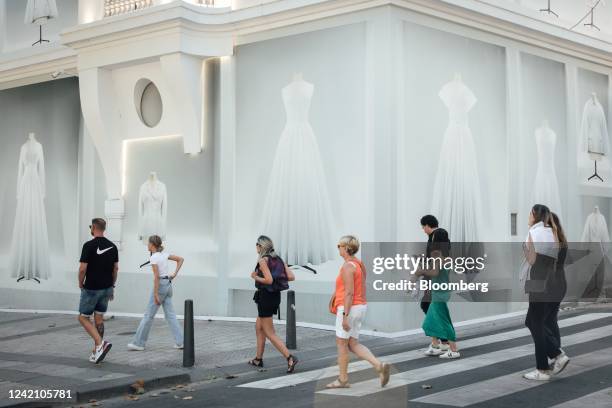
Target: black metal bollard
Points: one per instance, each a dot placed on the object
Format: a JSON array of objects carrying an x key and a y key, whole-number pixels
[
  {"x": 188, "y": 341},
  {"x": 291, "y": 329}
]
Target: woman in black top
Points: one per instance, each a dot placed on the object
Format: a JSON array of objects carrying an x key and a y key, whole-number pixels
[
  {"x": 268, "y": 299},
  {"x": 546, "y": 250}
]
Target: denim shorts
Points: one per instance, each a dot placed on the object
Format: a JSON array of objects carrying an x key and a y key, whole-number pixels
[{"x": 94, "y": 300}]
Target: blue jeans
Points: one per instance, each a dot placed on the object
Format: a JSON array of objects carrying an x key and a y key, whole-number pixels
[{"x": 165, "y": 297}]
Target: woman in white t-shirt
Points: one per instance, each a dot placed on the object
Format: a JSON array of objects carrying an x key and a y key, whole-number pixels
[
  {"x": 161, "y": 296},
  {"x": 541, "y": 249}
]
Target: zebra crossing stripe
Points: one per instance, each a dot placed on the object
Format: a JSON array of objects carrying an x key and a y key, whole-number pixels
[
  {"x": 372, "y": 386},
  {"x": 599, "y": 399},
  {"x": 511, "y": 383},
  {"x": 314, "y": 375}
]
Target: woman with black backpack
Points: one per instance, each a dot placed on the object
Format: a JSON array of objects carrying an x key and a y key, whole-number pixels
[{"x": 271, "y": 277}]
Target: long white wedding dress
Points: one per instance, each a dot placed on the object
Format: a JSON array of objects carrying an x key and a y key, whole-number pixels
[
  {"x": 545, "y": 185},
  {"x": 456, "y": 200},
  {"x": 152, "y": 209},
  {"x": 297, "y": 214},
  {"x": 30, "y": 246}
]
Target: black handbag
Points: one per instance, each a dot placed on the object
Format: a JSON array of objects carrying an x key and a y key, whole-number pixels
[{"x": 539, "y": 285}]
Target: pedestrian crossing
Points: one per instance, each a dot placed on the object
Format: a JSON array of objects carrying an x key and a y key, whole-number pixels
[
  {"x": 328, "y": 372},
  {"x": 481, "y": 390},
  {"x": 599, "y": 399},
  {"x": 508, "y": 384},
  {"x": 363, "y": 388}
]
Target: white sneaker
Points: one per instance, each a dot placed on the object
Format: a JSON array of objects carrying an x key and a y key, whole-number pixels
[
  {"x": 101, "y": 351},
  {"x": 444, "y": 346},
  {"x": 559, "y": 363},
  {"x": 537, "y": 375},
  {"x": 179, "y": 347},
  {"x": 92, "y": 358},
  {"x": 133, "y": 347},
  {"x": 433, "y": 350},
  {"x": 450, "y": 355}
]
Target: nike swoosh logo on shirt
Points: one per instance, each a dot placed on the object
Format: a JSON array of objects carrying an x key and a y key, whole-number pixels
[{"x": 103, "y": 251}]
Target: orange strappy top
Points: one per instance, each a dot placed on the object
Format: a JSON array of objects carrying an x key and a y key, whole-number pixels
[{"x": 359, "y": 296}]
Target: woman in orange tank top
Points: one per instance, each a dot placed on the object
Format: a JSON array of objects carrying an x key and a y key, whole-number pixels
[{"x": 349, "y": 305}]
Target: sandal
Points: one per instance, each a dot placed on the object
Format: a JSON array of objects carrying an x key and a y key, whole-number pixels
[
  {"x": 384, "y": 374},
  {"x": 257, "y": 362},
  {"x": 291, "y": 363},
  {"x": 338, "y": 384}
]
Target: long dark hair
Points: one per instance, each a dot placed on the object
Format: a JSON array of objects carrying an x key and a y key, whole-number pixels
[
  {"x": 541, "y": 213},
  {"x": 555, "y": 224}
]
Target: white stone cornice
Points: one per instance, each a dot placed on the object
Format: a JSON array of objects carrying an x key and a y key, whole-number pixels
[
  {"x": 222, "y": 27},
  {"x": 35, "y": 65},
  {"x": 199, "y": 31}
]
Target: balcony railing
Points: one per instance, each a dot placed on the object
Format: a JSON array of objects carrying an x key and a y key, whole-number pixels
[{"x": 117, "y": 7}]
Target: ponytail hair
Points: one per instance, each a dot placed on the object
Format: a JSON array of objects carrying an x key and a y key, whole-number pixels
[
  {"x": 555, "y": 224},
  {"x": 156, "y": 241},
  {"x": 541, "y": 213}
]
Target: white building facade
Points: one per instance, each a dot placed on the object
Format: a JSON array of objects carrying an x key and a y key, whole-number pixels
[{"x": 213, "y": 116}]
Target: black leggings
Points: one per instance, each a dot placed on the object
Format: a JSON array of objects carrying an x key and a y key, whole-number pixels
[{"x": 542, "y": 323}]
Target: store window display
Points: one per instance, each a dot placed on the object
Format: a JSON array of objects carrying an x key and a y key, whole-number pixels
[
  {"x": 546, "y": 186},
  {"x": 30, "y": 245},
  {"x": 152, "y": 208},
  {"x": 457, "y": 199},
  {"x": 297, "y": 213},
  {"x": 594, "y": 133}
]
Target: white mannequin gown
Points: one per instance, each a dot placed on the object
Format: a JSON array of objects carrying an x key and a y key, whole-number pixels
[
  {"x": 297, "y": 214},
  {"x": 153, "y": 209},
  {"x": 545, "y": 186},
  {"x": 40, "y": 11},
  {"x": 456, "y": 200},
  {"x": 30, "y": 246},
  {"x": 594, "y": 129}
]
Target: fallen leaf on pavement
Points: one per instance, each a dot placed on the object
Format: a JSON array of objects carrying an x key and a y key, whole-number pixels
[
  {"x": 426, "y": 386},
  {"x": 229, "y": 376}
]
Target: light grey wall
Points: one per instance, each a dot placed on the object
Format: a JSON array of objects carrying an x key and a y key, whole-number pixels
[
  {"x": 333, "y": 60},
  {"x": 544, "y": 97},
  {"x": 52, "y": 111},
  {"x": 431, "y": 58}
]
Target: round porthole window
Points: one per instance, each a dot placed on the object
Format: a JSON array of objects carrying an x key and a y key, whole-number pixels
[{"x": 148, "y": 102}]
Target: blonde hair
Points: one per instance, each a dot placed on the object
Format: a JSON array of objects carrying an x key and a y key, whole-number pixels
[
  {"x": 267, "y": 247},
  {"x": 351, "y": 243},
  {"x": 156, "y": 241}
]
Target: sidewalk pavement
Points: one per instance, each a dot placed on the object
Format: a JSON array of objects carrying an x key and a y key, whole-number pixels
[{"x": 51, "y": 351}]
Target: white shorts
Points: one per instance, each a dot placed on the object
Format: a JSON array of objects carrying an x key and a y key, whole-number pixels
[{"x": 355, "y": 318}]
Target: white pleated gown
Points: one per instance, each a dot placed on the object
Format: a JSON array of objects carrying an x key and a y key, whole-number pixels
[
  {"x": 545, "y": 185},
  {"x": 297, "y": 214},
  {"x": 457, "y": 201},
  {"x": 30, "y": 245}
]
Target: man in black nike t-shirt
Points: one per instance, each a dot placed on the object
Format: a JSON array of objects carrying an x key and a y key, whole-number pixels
[{"x": 98, "y": 269}]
